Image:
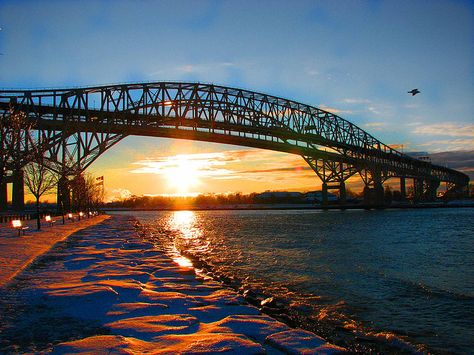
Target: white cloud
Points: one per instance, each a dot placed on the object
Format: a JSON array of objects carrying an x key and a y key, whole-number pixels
[
  {"x": 448, "y": 145},
  {"x": 446, "y": 129},
  {"x": 374, "y": 124},
  {"x": 354, "y": 101},
  {"x": 335, "y": 110},
  {"x": 120, "y": 194}
]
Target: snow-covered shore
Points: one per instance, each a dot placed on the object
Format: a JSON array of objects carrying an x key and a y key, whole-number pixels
[{"x": 105, "y": 289}]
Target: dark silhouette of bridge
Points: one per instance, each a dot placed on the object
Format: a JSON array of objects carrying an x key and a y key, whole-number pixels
[{"x": 75, "y": 126}]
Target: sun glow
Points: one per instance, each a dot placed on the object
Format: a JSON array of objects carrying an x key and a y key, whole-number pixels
[{"x": 183, "y": 175}]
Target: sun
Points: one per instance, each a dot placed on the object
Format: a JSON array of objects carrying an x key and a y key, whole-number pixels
[{"x": 182, "y": 174}]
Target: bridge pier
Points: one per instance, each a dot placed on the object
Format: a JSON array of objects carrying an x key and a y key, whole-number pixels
[
  {"x": 3, "y": 197},
  {"x": 403, "y": 189},
  {"x": 455, "y": 191},
  {"x": 417, "y": 190},
  {"x": 341, "y": 187},
  {"x": 373, "y": 190},
  {"x": 333, "y": 175},
  {"x": 18, "y": 191},
  {"x": 431, "y": 189},
  {"x": 63, "y": 196},
  {"x": 425, "y": 190},
  {"x": 374, "y": 195}
]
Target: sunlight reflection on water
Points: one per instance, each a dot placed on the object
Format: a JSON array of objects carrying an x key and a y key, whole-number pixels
[{"x": 183, "y": 223}]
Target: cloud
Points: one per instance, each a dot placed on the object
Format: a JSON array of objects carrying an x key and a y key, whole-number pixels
[
  {"x": 440, "y": 145},
  {"x": 120, "y": 193},
  {"x": 446, "y": 129},
  {"x": 414, "y": 124},
  {"x": 336, "y": 111},
  {"x": 201, "y": 164},
  {"x": 462, "y": 160},
  {"x": 200, "y": 69},
  {"x": 276, "y": 170},
  {"x": 353, "y": 101},
  {"x": 374, "y": 124},
  {"x": 399, "y": 146}
]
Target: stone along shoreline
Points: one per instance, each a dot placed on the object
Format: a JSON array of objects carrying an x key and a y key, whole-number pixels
[{"x": 105, "y": 289}]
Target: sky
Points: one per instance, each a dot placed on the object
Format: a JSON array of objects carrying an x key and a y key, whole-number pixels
[{"x": 356, "y": 59}]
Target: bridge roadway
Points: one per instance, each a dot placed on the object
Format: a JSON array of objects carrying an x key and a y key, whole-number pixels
[{"x": 75, "y": 126}]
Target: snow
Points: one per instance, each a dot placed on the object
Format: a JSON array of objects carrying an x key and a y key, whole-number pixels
[
  {"x": 17, "y": 253},
  {"x": 110, "y": 278}
]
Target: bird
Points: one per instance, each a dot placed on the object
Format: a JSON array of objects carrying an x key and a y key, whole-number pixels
[{"x": 414, "y": 92}]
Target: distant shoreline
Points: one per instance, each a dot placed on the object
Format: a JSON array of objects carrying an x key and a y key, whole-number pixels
[{"x": 453, "y": 204}]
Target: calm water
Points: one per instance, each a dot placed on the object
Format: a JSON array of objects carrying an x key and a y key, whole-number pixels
[{"x": 409, "y": 273}]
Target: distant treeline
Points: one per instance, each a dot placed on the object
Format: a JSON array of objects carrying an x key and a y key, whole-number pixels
[{"x": 204, "y": 200}]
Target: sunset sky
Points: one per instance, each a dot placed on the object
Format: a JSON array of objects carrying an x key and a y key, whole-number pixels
[{"x": 357, "y": 59}]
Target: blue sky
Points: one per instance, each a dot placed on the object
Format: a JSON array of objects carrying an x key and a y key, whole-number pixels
[{"x": 355, "y": 58}]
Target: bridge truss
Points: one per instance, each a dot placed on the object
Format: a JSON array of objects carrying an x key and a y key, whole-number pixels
[{"x": 75, "y": 126}]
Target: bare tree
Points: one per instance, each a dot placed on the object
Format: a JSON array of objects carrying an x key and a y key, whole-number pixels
[
  {"x": 94, "y": 191},
  {"x": 87, "y": 192},
  {"x": 39, "y": 180},
  {"x": 15, "y": 142}
]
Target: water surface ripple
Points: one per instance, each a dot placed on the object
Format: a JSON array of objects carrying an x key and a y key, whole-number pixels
[{"x": 403, "y": 272}]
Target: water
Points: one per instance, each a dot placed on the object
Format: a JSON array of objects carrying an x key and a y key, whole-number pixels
[{"x": 403, "y": 275}]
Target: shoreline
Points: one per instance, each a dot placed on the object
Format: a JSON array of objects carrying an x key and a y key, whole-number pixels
[
  {"x": 117, "y": 291},
  {"x": 347, "y": 333},
  {"x": 266, "y": 207}
]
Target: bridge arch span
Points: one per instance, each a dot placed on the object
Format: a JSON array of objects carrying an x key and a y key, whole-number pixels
[{"x": 78, "y": 124}]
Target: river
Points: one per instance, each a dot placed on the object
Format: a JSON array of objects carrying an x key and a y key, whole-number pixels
[{"x": 401, "y": 276}]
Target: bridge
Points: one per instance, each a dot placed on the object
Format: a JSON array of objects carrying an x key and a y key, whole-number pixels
[{"x": 73, "y": 127}]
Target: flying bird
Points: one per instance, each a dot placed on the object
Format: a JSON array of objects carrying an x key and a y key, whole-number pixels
[{"x": 414, "y": 92}]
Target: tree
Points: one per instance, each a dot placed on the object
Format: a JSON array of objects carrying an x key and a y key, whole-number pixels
[
  {"x": 15, "y": 142},
  {"x": 87, "y": 192},
  {"x": 94, "y": 189},
  {"x": 39, "y": 180}
]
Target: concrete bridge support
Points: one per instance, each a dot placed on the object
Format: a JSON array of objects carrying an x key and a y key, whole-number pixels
[
  {"x": 340, "y": 187},
  {"x": 431, "y": 190},
  {"x": 18, "y": 191},
  {"x": 3, "y": 197},
  {"x": 63, "y": 196},
  {"x": 374, "y": 195},
  {"x": 333, "y": 174},
  {"x": 373, "y": 190},
  {"x": 403, "y": 189},
  {"x": 425, "y": 190}
]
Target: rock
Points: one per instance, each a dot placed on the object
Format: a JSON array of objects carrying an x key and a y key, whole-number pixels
[
  {"x": 207, "y": 343},
  {"x": 295, "y": 341},
  {"x": 257, "y": 327},
  {"x": 148, "y": 327},
  {"x": 269, "y": 302},
  {"x": 104, "y": 344}
]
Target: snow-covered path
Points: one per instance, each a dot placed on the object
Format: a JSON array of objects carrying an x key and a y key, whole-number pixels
[
  {"x": 16, "y": 253},
  {"x": 107, "y": 290}
]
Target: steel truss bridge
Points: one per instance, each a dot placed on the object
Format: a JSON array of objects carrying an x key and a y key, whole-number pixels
[{"x": 75, "y": 126}]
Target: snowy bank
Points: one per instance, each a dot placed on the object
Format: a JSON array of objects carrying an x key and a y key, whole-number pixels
[{"x": 106, "y": 289}]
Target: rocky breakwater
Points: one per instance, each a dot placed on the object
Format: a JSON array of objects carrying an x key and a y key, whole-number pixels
[{"x": 106, "y": 289}]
